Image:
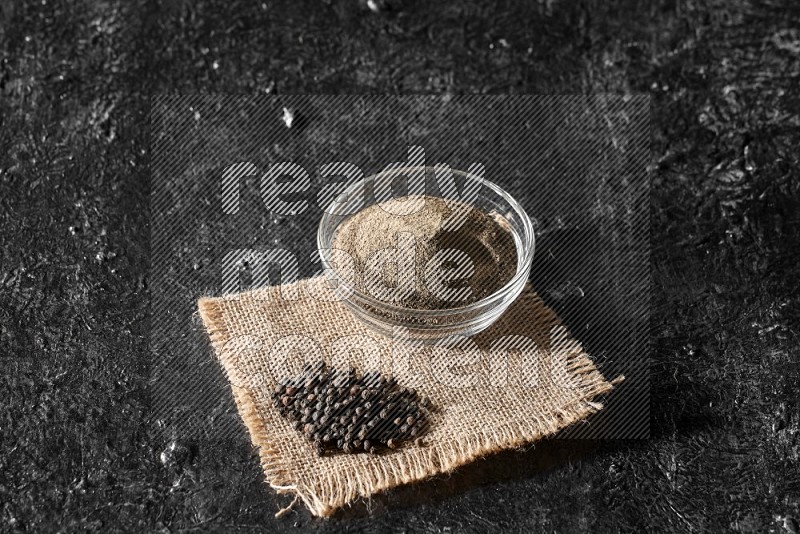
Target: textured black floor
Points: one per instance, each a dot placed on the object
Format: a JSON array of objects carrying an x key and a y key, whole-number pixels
[{"x": 77, "y": 447}]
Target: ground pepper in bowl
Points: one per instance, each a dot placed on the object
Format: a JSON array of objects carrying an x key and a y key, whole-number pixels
[{"x": 412, "y": 243}]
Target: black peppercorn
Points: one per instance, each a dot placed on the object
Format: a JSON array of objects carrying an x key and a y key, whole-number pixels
[{"x": 338, "y": 410}]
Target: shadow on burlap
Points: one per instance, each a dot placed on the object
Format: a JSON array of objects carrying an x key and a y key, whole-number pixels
[{"x": 520, "y": 380}]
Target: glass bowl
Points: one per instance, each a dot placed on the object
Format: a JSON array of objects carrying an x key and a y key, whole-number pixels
[{"x": 425, "y": 325}]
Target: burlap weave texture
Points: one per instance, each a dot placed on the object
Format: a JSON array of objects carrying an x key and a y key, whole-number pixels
[{"x": 520, "y": 380}]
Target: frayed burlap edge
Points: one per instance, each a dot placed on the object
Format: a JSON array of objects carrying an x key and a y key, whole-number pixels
[{"x": 389, "y": 473}]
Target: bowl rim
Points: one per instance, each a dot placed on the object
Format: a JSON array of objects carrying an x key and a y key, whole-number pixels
[{"x": 528, "y": 241}]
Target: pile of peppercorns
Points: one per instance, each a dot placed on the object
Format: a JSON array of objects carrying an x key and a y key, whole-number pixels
[{"x": 339, "y": 410}]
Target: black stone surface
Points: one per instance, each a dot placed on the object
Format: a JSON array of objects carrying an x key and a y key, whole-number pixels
[{"x": 78, "y": 447}]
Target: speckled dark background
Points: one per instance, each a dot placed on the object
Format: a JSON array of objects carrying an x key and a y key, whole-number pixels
[{"x": 78, "y": 452}]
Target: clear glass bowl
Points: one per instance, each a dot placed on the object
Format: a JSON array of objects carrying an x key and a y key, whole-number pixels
[{"x": 428, "y": 325}]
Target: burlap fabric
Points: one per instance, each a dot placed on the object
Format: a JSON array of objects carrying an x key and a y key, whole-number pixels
[{"x": 524, "y": 378}]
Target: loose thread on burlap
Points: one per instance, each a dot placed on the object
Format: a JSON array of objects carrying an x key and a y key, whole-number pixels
[{"x": 285, "y": 511}]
